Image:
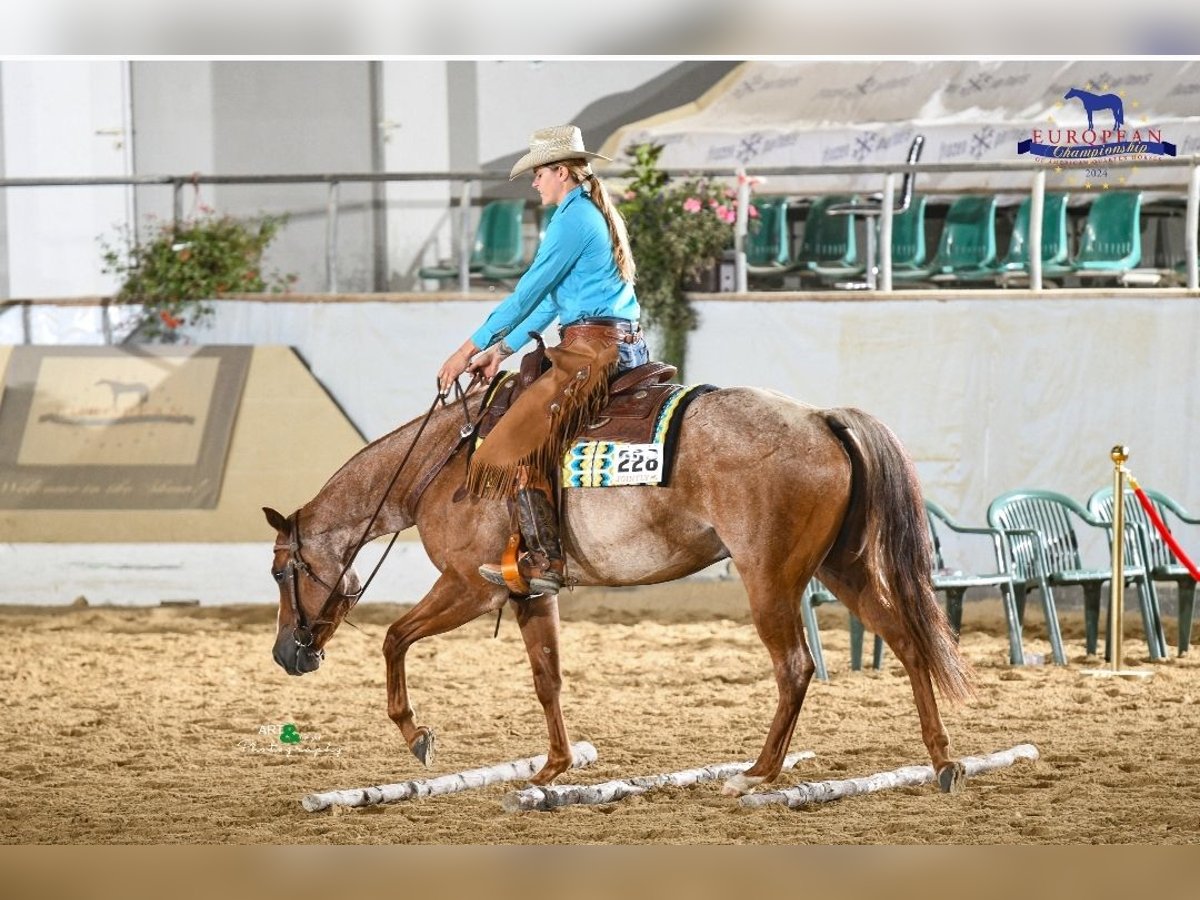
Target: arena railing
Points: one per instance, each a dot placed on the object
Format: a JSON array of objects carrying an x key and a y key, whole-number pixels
[{"x": 744, "y": 177}]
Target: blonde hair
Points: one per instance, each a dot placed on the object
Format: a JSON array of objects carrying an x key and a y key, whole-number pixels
[{"x": 581, "y": 171}]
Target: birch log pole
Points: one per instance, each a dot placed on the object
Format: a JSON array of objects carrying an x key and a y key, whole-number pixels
[
  {"x": 582, "y": 754},
  {"x": 907, "y": 776},
  {"x": 554, "y": 796}
]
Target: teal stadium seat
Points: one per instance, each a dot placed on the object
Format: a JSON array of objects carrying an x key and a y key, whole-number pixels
[
  {"x": 1111, "y": 244},
  {"x": 1013, "y": 268},
  {"x": 967, "y": 245},
  {"x": 908, "y": 245},
  {"x": 768, "y": 244},
  {"x": 508, "y": 271},
  {"x": 498, "y": 242},
  {"x": 828, "y": 247}
]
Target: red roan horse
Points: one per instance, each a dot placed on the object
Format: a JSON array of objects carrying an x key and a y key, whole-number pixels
[{"x": 783, "y": 489}]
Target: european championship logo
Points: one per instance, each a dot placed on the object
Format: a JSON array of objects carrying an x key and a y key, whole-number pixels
[{"x": 1106, "y": 137}]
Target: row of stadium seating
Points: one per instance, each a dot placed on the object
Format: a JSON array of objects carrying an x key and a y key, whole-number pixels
[
  {"x": 967, "y": 253},
  {"x": 827, "y": 255}
]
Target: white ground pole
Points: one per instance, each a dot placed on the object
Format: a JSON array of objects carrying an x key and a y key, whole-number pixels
[
  {"x": 582, "y": 754},
  {"x": 554, "y": 796},
  {"x": 908, "y": 776}
]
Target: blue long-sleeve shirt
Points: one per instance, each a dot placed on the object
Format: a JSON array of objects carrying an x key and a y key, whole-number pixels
[{"x": 573, "y": 276}]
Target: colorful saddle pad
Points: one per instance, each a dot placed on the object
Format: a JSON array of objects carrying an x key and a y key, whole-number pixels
[{"x": 597, "y": 461}]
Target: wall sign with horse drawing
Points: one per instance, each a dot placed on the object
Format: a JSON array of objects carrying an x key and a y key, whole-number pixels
[{"x": 828, "y": 492}]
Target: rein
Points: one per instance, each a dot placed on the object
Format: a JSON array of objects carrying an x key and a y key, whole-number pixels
[{"x": 296, "y": 563}]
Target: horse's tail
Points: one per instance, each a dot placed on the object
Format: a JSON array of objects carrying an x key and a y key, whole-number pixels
[{"x": 886, "y": 526}]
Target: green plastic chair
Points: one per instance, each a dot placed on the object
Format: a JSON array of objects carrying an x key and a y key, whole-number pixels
[
  {"x": 498, "y": 242},
  {"x": 828, "y": 246},
  {"x": 1163, "y": 565},
  {"x": 769, "y": 246},
  {"x": 967, "y": 245},
  {"x": 1042, "y": 544},
  {"x": 817, "y": 594},
  {"x": 954, "y": 583},
  {"x": 1111, "y": 243}
]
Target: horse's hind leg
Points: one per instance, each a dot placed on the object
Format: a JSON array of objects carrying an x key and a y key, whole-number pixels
[
  {"x": 884, "y": 619},
  {"x": 538, "y": 618},
  {"x": 775, "y": 606}
]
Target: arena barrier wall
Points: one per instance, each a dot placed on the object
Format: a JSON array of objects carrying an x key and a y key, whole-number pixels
[{"x": 989, "y": 390}]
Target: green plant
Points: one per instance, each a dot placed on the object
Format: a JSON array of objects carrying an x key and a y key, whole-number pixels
[
  {"x": 677, "y": 230},
  {"x": 173, "y": 273}
]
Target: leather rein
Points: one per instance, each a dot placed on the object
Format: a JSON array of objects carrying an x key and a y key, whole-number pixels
[{"x": 302, "y": 632}]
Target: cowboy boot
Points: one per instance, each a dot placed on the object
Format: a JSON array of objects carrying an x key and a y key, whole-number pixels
[{"x": 542, "y": 564}]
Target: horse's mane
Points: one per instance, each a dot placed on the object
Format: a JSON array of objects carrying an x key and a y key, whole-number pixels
[{"x": 374, "y": 446}]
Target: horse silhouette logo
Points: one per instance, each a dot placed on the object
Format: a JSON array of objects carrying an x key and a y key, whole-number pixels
[
  {"x": 137, "y": 388},
  {"x": 1094, "y": 102}
]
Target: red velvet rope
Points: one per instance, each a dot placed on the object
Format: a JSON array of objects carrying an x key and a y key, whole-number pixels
[{"x": 1162, "y": 529}]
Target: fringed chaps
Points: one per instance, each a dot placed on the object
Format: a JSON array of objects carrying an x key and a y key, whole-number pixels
[{"x": 548, "y": 413}]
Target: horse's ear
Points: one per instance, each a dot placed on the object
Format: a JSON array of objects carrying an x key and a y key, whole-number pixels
[{"x": 276, "y": 519}]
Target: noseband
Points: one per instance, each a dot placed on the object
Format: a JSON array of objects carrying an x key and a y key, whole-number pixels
[{"x": 296, "y": 564}]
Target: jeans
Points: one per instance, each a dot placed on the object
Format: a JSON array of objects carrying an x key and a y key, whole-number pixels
[{"x": 630, "y": 356}]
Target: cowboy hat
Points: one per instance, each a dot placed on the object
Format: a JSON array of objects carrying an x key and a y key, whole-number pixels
[{"x": 553, "y": 144}]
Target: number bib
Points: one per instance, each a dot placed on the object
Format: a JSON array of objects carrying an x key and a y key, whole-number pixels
[{"x": 638, "y": 464}]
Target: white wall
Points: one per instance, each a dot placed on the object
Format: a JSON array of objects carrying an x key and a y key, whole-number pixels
[
  {"x": 66, "y": 118},
  {"x": 988, "y": 394},
  {"x": 415, "y": 130},
  {"x": 173, "y": 111}
]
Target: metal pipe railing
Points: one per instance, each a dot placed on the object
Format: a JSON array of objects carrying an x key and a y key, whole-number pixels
[{"x": 469, "y": 178}]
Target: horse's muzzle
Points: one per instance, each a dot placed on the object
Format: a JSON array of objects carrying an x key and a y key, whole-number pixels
[{"x": 294, "y": 658}]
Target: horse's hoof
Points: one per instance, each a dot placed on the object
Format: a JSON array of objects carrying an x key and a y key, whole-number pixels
[
  {"x": 422, "y": 747},
  {"x": 952, "y": 777},
  {"x": 741, "y": 784},
  {"x": 551, "y": 770}
]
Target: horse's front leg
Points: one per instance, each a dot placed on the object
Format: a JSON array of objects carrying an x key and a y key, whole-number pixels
[
  {"x": 538, "y": 618},
  {"x": 452, "y": 601}
]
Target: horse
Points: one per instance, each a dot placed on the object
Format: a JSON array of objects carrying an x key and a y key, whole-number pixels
[
  {"x": 137, "y": 388},
  {"x": 783, "y": 489},
  {"x": 1094, "y": 102}
]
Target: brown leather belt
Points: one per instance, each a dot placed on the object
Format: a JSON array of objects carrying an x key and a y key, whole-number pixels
[{"x": 614, "y": 333}]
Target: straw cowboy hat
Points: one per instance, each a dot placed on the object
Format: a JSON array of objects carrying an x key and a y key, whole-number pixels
[{"x": 553, "y": 144}]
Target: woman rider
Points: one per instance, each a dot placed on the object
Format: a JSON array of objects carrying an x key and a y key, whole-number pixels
[{"x": 583, "y": 275}]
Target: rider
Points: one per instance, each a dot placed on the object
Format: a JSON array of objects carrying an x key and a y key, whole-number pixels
[{"x": 583, "y": 275}]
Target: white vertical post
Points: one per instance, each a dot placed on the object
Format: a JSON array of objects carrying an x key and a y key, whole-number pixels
[
  {"x": 885, "y": 234},
  {"x": 1193, "y": 226},
  {"x": 465, "y": 238},
  {"x": 331, "y": 236},
  {"x": 1037, "y": 203},
  {"x": 739, "y": 232}
]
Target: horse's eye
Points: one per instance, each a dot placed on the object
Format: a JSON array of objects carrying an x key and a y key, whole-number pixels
[{"x": 278, "y": 576}]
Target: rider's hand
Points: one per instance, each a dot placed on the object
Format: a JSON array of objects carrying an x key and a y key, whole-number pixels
[
  {"x": 487, "y": 363},
  {"x": 454, "y": 366}
]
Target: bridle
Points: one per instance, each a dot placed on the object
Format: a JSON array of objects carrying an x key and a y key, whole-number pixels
[{"x": 302, "y": 633}]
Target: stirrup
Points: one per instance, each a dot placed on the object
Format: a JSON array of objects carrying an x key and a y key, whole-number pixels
[
  {"x": 547, "y": 583},
  {"x": 493, "y": 573}
]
